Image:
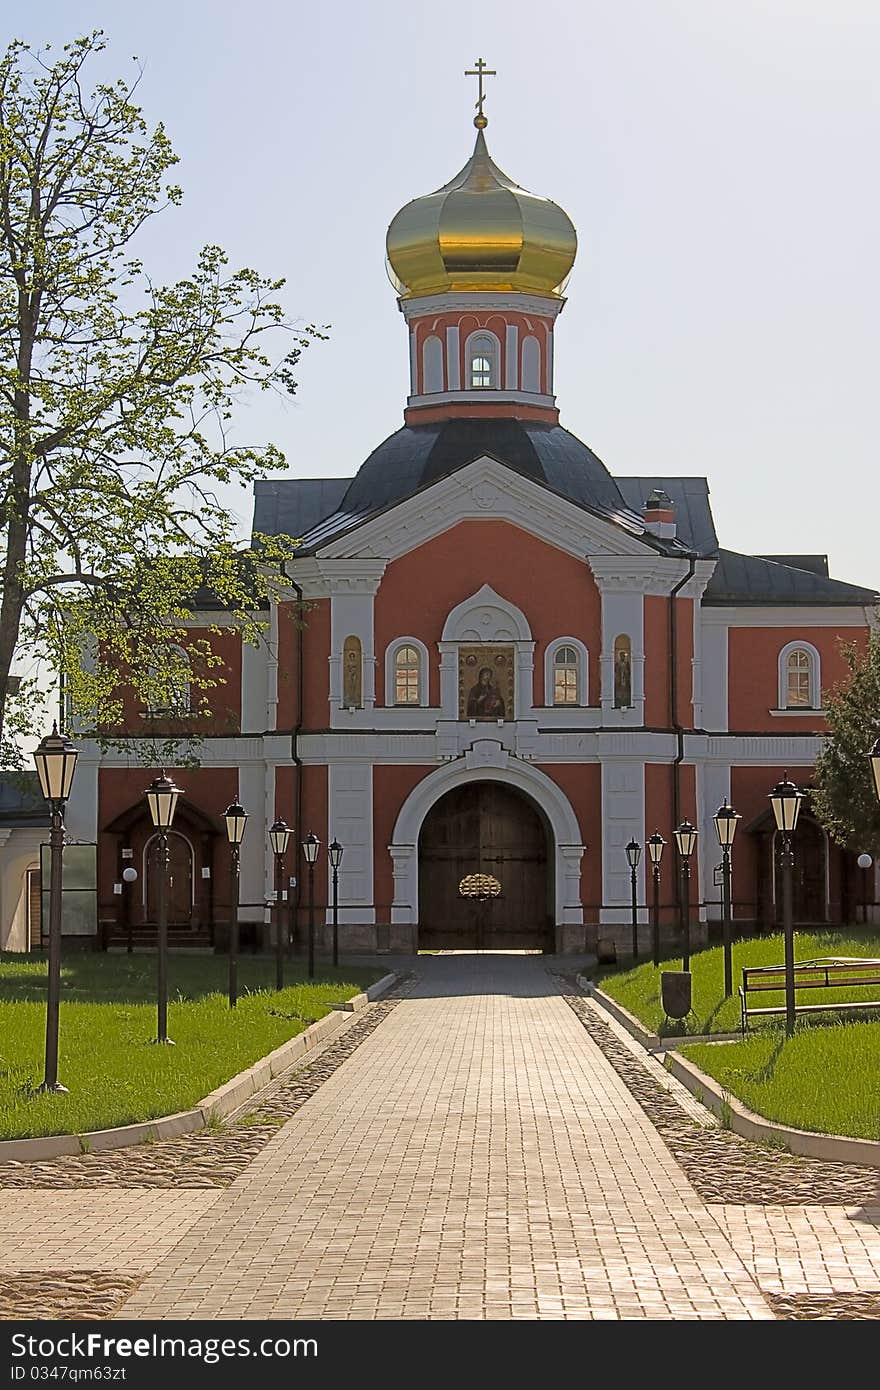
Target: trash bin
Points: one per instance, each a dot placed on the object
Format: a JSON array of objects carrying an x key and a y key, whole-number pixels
[{"x": 675, "y": 993}]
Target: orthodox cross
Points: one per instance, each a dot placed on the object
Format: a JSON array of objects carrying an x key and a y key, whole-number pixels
[{"x": 479, "y": 72}]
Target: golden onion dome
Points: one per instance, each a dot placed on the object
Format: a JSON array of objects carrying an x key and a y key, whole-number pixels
[{"x": 481, "y": 231}]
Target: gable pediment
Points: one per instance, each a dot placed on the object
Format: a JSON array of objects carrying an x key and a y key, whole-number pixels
[{"x": 485, "y": 489}]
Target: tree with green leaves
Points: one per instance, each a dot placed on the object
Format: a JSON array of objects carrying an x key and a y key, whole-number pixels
[
  {"x": 116, "y": 402},
  {"x": 845, "y": 798}
]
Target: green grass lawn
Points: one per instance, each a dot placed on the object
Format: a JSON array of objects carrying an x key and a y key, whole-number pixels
[
  {"x": 639, "y": 989},
  {"x": 115, "y": 1073},
  {"x": 822, "y": 1079}
]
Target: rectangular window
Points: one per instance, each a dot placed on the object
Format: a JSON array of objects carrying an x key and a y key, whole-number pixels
[{"x": 565, "y": 685}]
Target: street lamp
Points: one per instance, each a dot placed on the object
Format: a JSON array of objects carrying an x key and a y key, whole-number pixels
[
  {"x": 236, "y": 820},
  {"x": 633, "y": 855},
  {"x": 686, "y": 841},
  {"x": 310, "y": 846},
  {"x": 55, "y": 757},
  {"x": 279, "y": 835},
  {"x": 785, "y": 798},
  {"x": 334, "y": 852},
  {"x": 864, "y": 862},
  {"x": 726, "y": 821},
  {"x": 162, "y": 795},
  {"x": 656, "y": 846}
]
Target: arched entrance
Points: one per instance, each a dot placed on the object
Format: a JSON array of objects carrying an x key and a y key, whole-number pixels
[{"x": 484, "y": 827}]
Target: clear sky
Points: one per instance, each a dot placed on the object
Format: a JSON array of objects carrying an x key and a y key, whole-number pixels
[{"x": 718, "y": 157}]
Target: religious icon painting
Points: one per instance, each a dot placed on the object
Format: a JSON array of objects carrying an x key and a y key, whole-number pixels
[{"x": 486, "y": 683}]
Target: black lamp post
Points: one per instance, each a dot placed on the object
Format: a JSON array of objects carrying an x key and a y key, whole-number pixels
[
  {"x": 633, "y": 855},
  {"x": 686, "y": 840},
  {"x": 162, "y": 795},
  {"x": 279, "y": 835},
  {"x": 785, "y": 798},
  {"x": 236, "y": 820},
  {"x": 726, "y": 820},
  {"x": 310, "y": 846},
  {"x": 334, "y": 852},
  {"x": 55, "y": 758},
  {"x": 656, "y": 846}
]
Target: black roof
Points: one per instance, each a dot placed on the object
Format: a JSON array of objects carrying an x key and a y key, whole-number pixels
[
  {"x": 292, "y": 506},
  {"x": 816, "y": 564},
  {"x": 750, "y": 579},
  {"x": 690, "y": 496},
  {"x": 21, "y": 801},
  {"x": 419, "y": 454}
]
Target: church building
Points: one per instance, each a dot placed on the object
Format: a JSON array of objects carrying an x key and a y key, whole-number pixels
[{"x": 493, "y": 656}]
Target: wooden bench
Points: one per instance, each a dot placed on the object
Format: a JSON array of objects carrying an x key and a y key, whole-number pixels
[{"x": 833, "y": 972}]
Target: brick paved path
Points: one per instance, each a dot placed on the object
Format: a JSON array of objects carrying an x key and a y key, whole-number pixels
[{"x": 476, "y": 1157}]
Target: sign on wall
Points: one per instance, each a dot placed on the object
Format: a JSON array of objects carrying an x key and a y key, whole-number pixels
[{"x": 486, "y": 682}]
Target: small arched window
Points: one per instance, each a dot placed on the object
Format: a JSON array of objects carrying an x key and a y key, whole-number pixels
[
  {"x": 565, "y": 676},
  {"x": 352, "y": 673},
  {"x": 170, "y": 685},
  {"x": 799, "y": 677},
  {"x": 482, "y": 362},
  {"x": 407, "y": 676}
]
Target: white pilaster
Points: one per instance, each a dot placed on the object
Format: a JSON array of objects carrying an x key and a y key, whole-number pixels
[
  {"x": 623, "y": 819},
  {"x": 714, "y": 645},
  {"x": 511, "y": 374},
  {"x": 81, "y": 814},
  {"x": 453, "y": 360},
  {"x": 350, "y": 799},
  {"x": 252, "y": 778},
  {"x": 713, "y": 785}
]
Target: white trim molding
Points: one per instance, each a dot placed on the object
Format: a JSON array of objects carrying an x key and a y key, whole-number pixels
[{"x": 391, "y": 671}]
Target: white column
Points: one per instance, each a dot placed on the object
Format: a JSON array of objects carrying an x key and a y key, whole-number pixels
[
  {"x": 254, "y": 687},
  {"x": 351, "y": 615},
  {"x": 623, "y": 819},
  {"x": 525, "y": 679},
  {"x": 568, "y": 885},
  {"x": 713, "y": 785},
  {"x": 449, "y": 679},
  {"x": 511, "y": 374},
  {"x": 623, "y": 614},
  {"x": 413, "y": 363},
  {"x": 405, "y": 870},
  {"x": 253, "y": 884},
  {"x": 81, "y": 813},
  {"x": 272, "y": 670},
  {"x": 350, "y": 800},
  {"x": 714, "y": 649},
  {"x": 453, "y": 360}
]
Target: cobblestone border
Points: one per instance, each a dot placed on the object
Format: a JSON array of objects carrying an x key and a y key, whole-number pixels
[
  {"x": 722, "y": 1166},
  {"x": 79, "y": 1295},
  {"x": 213, "y": 1157},
  {"x": 222, "y": 1101},
  {"x": 835, "y": 1148}
]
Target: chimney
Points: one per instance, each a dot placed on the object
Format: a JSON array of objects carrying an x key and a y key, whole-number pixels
[{"x": 658, "y": 515}]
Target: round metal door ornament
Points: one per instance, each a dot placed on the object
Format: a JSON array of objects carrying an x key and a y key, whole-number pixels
[{"x": 479, "y": 887}]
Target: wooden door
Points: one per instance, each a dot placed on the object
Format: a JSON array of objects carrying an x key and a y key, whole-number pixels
[
  {"x": 484, "y": 827},
  {"x": 180, "y": 880},
  {"x": 809, "y": 876}
]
